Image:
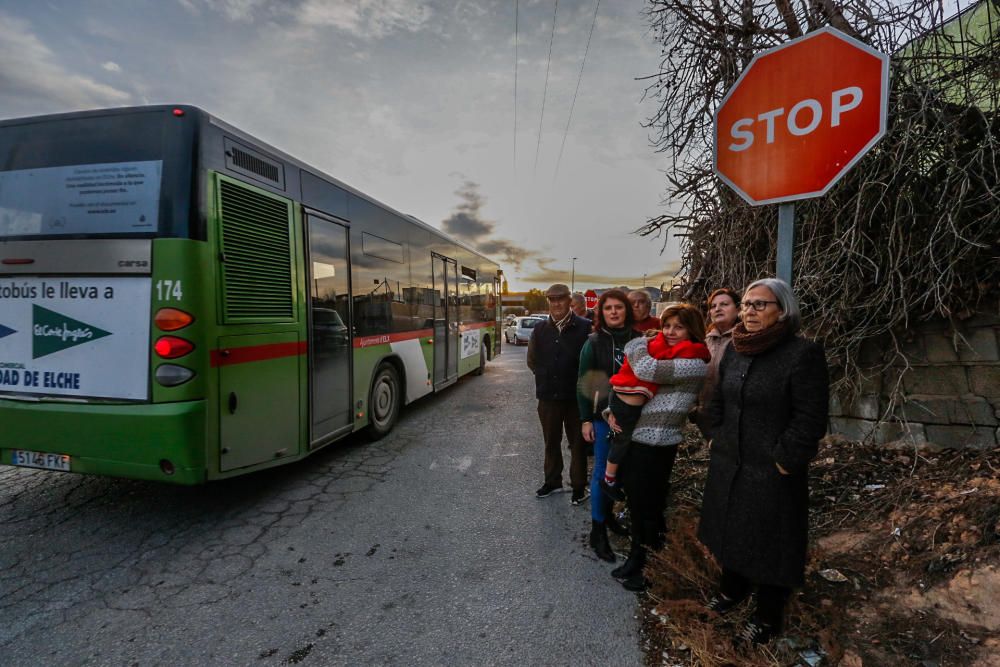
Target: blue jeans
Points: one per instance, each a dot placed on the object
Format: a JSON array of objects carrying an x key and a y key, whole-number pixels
[{"x": 598, "y": 502}]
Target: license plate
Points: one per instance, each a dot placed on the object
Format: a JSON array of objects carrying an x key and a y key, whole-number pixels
[{"x": 43, "y": 460}]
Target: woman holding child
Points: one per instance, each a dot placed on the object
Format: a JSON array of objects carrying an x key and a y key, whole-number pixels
[{"x": 650, "y": 400}]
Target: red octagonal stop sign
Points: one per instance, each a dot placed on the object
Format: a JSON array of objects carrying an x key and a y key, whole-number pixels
[{"x": 800, "y": 116}]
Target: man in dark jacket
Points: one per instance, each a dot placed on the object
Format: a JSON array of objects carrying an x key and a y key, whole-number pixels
[{"x": 553, "y": 356}]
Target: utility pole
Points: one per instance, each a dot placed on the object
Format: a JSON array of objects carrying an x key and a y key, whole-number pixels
[
  {"x": 644, "y": 280},
  {"x": 572, "y": 281}
]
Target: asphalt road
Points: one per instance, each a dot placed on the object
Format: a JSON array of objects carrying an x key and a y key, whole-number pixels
[{"x": 426, "y": 548}]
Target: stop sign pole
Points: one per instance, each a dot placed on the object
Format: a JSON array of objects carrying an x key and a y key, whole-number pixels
[{"x": 797, "y": 119}]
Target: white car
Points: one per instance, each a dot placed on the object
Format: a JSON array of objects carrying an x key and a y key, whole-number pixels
[{"x": 520, "y": 331}]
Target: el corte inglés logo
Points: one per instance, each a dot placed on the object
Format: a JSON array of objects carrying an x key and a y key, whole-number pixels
[{"x": 52, "y": 332}]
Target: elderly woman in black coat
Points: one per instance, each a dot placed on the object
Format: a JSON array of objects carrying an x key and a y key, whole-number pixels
[{"x": 766, "y": 417}]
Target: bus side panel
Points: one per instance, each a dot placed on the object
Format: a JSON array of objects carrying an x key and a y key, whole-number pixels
[
  {"x": 259, "y": 400},
  {"x": 259, "y": 363}
]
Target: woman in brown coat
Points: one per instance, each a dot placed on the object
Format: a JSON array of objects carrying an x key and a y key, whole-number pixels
[{"x": 766, "y": 417}]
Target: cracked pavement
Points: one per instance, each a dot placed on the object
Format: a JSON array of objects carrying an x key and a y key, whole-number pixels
[{"x": 425, "y": 548}]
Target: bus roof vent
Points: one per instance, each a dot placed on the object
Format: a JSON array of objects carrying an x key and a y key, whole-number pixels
[
  {"x": 256, "y": 165},
  {"x": 257, "y": 255}
]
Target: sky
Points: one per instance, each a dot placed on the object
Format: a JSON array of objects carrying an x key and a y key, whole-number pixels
[{"x": 409, "y": 101}]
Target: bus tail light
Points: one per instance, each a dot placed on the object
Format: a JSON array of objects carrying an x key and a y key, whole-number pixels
[
  {"x": 171, "y": 347},
  {"x": 171, "y": 319},
  {"x": 170, "y": 375}
]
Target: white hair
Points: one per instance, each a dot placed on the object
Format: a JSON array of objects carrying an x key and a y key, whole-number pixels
[{"x": 787, "y": 302}]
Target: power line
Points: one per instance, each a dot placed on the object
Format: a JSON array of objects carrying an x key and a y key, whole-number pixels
[
  {"x": 545, "y": 91},
  {"x": 516, "y": 3},
  {"x": 578, "y": 80}
]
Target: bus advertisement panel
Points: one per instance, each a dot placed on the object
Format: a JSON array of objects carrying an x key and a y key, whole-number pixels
[{"x": 75, "y": 336}]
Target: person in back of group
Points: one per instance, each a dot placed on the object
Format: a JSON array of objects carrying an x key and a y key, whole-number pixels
[
  {"x": 765, "y": 419},
  {"x": 579, "y": 307},
  {"x": 553, "y": 357},
  {"x": 600, "y": 358},
  {"x": 723, "y": 314},
  {"x": 641, "y": 305}
]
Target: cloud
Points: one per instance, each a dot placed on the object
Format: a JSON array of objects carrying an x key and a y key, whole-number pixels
[
  {"x": 547, "y": 275},
  {"x": 33, "y": 81},
  {"x": 468, "y": 225},
  {"x": 466, "y": 222},
  {"x": 111, "y": 66},
  {"x": 366, "y": 19},
  {"x": 234, "y": 10}
]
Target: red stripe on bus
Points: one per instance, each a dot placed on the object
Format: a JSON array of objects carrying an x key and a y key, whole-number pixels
[
  {"x": 385, "y": 339},
  {"x": 243, "y": 355}
]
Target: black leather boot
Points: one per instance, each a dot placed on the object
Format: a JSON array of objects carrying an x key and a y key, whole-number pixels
[
  {"x": 633, "y": 564},
  {"x": 599, "y": 541},
  {"x": 650, "y": 538}
]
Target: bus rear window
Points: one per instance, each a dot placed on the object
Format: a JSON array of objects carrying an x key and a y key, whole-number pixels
[
  {"x": 108, "y": 198},
  {"x": 111, "y": 173}
]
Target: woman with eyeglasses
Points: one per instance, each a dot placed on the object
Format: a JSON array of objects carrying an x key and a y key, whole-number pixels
[
  {"x": 765, "y": 419},
  {"x": 723, "y": 314}
]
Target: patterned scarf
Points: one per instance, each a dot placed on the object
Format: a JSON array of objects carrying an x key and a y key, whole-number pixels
[
  {"x": 561, "y": 324},
  {"x": 753, "y": 343}
]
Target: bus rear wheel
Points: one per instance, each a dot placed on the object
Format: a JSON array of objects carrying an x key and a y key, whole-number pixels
[
  {"x": 482, "y": 360},
  {"x": 384, "y": 402}
]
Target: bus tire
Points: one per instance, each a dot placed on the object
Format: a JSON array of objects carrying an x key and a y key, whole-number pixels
[
  {"x": 384, "y": 401},
  {"x": 482, "y": 360}
]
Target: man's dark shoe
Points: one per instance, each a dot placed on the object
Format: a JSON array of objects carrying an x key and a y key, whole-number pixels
[
  {"x": 546, "y": 490},
  {"x": 636, "y": 583},
  {"x": 616, "y": 492},
  {"x": 756, "y": 632},
  {"x": 721, "y": 605},
  {"x": 579, "y": 495},
  {"x": 599, "y": 542},
  {"x": 632, "y": 566}
]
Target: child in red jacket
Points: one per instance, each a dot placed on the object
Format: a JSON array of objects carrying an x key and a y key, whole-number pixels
[{"x": 629, "y": 394}]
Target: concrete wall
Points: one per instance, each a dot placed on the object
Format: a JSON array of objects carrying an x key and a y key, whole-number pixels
[{"x": 951, "y": 390}]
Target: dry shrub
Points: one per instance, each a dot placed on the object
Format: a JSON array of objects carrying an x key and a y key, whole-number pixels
[
  {"x": 683, "y": 578},
  {"x": 901, "y": 526}
]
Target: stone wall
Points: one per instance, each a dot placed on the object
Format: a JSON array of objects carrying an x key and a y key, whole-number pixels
[{"x": 950, "y": 391}]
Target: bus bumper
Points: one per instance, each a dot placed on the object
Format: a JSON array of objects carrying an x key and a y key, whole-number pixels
[{"x": 130, "y": 441}]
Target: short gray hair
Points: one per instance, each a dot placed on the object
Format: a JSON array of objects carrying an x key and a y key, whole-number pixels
[
  {"x": 642, "y": 294},
  {"x": 787, "y": 302},
  {"x": 577, "y": 297}
]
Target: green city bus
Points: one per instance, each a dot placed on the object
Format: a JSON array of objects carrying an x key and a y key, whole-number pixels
[{"x": 181, "y": 302}]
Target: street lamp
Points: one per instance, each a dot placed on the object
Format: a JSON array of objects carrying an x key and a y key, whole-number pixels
[{"x": 573, "y": 278}]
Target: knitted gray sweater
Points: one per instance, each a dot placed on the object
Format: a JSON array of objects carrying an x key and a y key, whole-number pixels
[{"x": 664, "y": 416}]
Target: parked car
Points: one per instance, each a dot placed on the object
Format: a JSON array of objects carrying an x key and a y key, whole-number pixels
[{"x": 520, "y": 331}]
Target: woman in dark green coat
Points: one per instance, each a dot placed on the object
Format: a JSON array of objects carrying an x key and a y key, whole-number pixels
[{"x": 766, "y": 418}]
